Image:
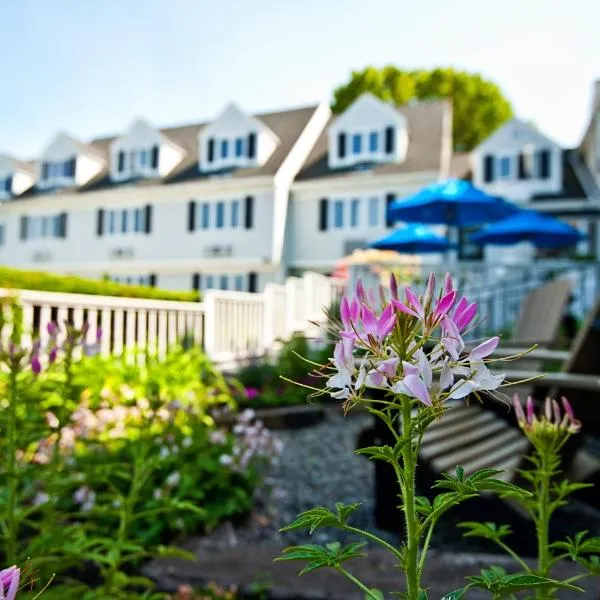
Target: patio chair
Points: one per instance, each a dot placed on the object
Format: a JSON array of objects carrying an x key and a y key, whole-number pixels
[{"x": 487, "y": 436}]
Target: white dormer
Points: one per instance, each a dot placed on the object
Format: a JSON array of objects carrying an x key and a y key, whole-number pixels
[
  {"x": 67, "y": 163},
  {"x": 235, "y": 140},
  {"x": 370, "y": 130},
  {"x": 15, "y": 177},
  {"x": 518, "y": 162},
  {"x": 143, "y": 152}
]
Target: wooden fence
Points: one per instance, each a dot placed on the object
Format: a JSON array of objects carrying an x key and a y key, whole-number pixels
[{"x": 230, "y": 326}]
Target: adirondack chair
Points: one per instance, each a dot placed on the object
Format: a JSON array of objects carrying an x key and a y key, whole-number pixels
[
  {"x": 538, "y": 322},
  {"x": 477, "y": 436}
]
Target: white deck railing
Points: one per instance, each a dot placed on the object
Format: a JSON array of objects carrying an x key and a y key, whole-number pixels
[{"x": 230, "y": 326}]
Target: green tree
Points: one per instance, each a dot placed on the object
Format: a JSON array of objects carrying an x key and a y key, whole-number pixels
[{"x": 479, "y": 105}]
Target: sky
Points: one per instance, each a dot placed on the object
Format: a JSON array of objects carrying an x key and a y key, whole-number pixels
[{"x": 90, "y": 67}]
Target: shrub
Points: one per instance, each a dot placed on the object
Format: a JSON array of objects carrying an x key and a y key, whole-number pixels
[{"x": 48, "y": 282}]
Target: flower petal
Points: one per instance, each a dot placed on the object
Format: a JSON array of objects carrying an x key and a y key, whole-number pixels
[
  {"x": 403, "y": 308},
  {"x": 446, "y": 377},
  {"x": 417, "y": 389},
  {"x": 484, "y": 349},
  {"x": 414, "y": 302},
  {"x": 445, "y": 304}
]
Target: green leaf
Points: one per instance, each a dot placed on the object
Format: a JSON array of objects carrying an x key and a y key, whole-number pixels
[
  {"x": 385, "y": 453},
  {"x": 456, "y": 594},
  {"x": 374, "y": 593},
  {"x": 322, "y": 517},
  {"x": 175, "y": 552},
  {"x": 332, "y": 555},
  {"x": 499, "y": 583},
  {"x": 488, "y": 530}
]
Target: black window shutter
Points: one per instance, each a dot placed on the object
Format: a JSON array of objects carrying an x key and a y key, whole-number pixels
[
  {"x": 252, "y": 145},
  {"x": 100, "y": 222},
  {"x": 389, "y": 198},
  {"x": 154, "y": 157},
  {"x": 44, "y": 170},
  {"x": 323, "y": 210},
  {"x": 152, "y": 280},
  {"x": 488, "y": 168},
  {"x": 390, "y": 140},
  {"x": 62, "y": 225},
  {"x": 148, "y": 219},
  {"x": 210, "y": 155},
  {"x": 196, "y": 282},
  {"x": 341, "y": 145},
  {"x": 249, "y": 212},
  {"x": 121, "y": 161},
  {"x": 8, "y": 184},
  {"x": 23, "y": 228},
  {"x": 252, "y": 282},
  {"x": 522, "y": 169},
  {"x": 71, "y": 167},
  {"x": 191, "y": 225},
  {"x": 544, "y": 157}
]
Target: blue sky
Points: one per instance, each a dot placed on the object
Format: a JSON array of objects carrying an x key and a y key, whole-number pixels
[{"x": 89, "y": 67}]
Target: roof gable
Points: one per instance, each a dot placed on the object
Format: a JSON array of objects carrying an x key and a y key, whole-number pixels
[
  {"x": 514, "y": 135},
  {"x": 233, "y": 121},
  {"x": 366, "y": 109}
]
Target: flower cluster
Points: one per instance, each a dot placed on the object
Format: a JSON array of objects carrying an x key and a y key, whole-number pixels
[
  {"x": 73, "y": 337},
  {"x": 9, "y": 583},
  {"x": 550, "y": 425},
  {"x": 16, "y": 357},
  {"x": 409, "y": 344},
  {"x": 253, "y": 444}
]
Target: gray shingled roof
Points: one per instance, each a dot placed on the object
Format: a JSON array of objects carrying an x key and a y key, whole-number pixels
[
  {"x": 287, "y": 125},
  {"x": 426, "y": 123}
]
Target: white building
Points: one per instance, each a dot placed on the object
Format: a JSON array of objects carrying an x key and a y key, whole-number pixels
[
  {"x": 197, "y": 206},
  {"x": 246, "y": 199}
]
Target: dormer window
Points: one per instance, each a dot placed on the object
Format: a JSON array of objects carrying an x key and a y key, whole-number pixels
[
  {"x": 370, "y": 131},
  {"x": 6, "y": 185},
  {"x": 234, "y": 140},
  {"x": 138, "y": 163},
  {"x": 374, "y": 141},
  {"x": 59, "y": 173}
]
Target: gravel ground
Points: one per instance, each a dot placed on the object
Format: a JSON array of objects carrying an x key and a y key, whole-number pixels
[{"x": 318, "y": 468}]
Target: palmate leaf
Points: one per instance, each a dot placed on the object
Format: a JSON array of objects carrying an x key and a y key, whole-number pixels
[
  {"x": 487, "y": 530},
  {"x": 499, "y": 583},
  {"x": 479, "y": 481},
  {"x": 385, "y": 453},
  {"x": 322, "y": 517},
  {"x": 317, "y": 557},
  {"x": 578, "y": 545}
]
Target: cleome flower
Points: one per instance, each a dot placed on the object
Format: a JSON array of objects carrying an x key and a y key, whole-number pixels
[
  {"x": 551, "y": 421},
  {"x": 9, "y": 583},
  {"x": 412, "y": 346}
]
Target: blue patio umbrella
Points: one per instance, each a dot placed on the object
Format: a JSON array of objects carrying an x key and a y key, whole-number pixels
[
  {"x": 412, "y": 239},
  {"x": 452, "y": 202},
  {"x": 541, "y": 230}
]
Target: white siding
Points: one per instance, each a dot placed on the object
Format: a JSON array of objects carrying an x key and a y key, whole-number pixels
[{"x": 511, "y": 139}]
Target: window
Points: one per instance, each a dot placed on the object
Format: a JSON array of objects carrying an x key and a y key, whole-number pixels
[
  {"x": 235, "y": 213},
  {"x": 1, "y": 234},
  {"x": 205, "y": 215},
  {"x": 6, "y": 185},
  {"x": 224, "y": 282},
  {"x": 354, "y": 209},
  {"x": 373, "y": 212},
  {"x": 127, "y": 220},
  {"x": 338, "y": 214},
  {"x": 239, "y": 147},
  {"x": 220, "y": 216},
  {"x": 238, "y": 283},
  {"x": 466, "y": 249},
  {"x": 504, "y": 167},
  {"x": 542, "y": 163},
  {"x": 373, "y": 141},
  {"x": 357, "y": 143},
  {"x": 48, "y": 226},
  {"x": 224, "y": 148},
  {"x": 209, "y": 282}
]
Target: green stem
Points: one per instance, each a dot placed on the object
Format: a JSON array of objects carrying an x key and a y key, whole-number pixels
[
  {"x": 374, "y": 538},
  {"x": 356, "y": 581},
  {"x": 543, "y": 519},
  {"x": 11, "y": 437},
  {"x": 411, "y": 567},
  {"x": 514, "y": 555},
  {"x": 425, "y": 547},
  {"x": 67, "y": 397}
]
